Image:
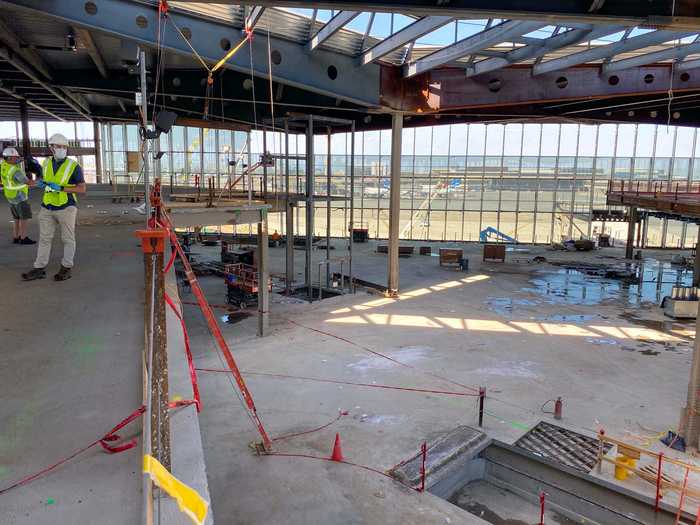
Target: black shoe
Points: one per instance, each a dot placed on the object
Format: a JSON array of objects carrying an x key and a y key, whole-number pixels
[
  {"x": 16, "y": 240},
  {"x": 27, "y": 240},
  {"x": 63, "y": 274},
  {"x": 34, "y": 273}
]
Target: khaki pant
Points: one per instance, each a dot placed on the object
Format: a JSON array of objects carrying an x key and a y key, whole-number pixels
[{"x": 48, "y": 219}]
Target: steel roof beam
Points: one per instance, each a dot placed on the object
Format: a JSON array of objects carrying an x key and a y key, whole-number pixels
[
  {"x": 406, "y": 35},
  {"x": 471, "y": 45},
  {"x": 27, "y": 69},
  {"x": 92, "y": 49},
  {"x": 309, "y": 71},
  {"x": 329, "y": 29},
  {"x": 568, "y": 38},
  {"x": 660, "y": 13},
  {"x": 254, "y": 17},
  {"x": 688, "y": 64},
  {"x": 13, "y": 41},
  {"x": 677, "y": 52},
  {"x": 609, "y": 50},
  {"x": 29, "y": 102}
]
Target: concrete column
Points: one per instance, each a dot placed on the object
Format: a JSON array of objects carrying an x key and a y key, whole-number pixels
[
  {"x": 631, "y": 223},
  {"x": 309, "y": 205},
  {"x": 24, "y": 117},
  {"x": 690, "y": 417},
  {"x": 696, "y": 266},
  {"x": 394, "y": 204},
  {"x": 263, "y": 278},
  {"x": 98, "y": 151}
]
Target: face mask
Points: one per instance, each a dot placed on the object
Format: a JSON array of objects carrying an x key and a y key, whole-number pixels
[{"x": 60, "y": 153}]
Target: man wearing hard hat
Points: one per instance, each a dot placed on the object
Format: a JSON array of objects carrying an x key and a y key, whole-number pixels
[
  {"x": 62, "y": 180},
  {"x": 15, "y": 186}
]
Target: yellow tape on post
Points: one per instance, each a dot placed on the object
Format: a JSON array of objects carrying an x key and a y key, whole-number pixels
[{"x": 188, "y": 500}]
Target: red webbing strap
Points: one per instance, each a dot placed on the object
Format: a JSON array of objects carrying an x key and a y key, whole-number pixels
[
  {"x": 170, "y": 262},
  {"x": 111, "y": 436},
  {"x": 216, "y": 332},
  {"x": 188, "y": 352}
]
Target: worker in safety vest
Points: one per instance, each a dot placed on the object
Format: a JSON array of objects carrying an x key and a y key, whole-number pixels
[
  {"x": 15, "y": 187},
  {"x": 62, "y": 180}
]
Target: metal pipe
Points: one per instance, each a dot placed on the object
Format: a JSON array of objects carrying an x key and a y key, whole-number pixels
[
  {"x": 147, "y": 491},
  {"x": 352, "y": 204},
  {"x": 328, "y": 204},
  {"x": 144, "y": 141}
]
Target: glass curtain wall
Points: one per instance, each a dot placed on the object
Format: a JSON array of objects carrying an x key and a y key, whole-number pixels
[{"x": 531, "y": 182}]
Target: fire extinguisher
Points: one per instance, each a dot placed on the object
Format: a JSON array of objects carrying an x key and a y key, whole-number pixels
[{"x": 558, "y": 407}]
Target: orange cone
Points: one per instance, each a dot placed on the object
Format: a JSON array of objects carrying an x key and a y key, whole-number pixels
[{"x": 337, "y": 454}]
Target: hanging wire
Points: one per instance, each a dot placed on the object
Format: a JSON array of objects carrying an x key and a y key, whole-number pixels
[{"x": 670, "y": 80}]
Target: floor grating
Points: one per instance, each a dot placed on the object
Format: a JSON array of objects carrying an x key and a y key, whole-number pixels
[{"x": 563, "y": 446}]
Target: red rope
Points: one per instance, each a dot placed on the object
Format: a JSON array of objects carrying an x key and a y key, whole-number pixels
[
  {"x": 383, "y": 356},
  {"x": 341, "y": 413},
  {"x": 217, "y": 335},
  {"x": 321, "y": 458},
  {"x": 109, "y": 437},
  {"x": 104, "y": 441},
  {"x": 336, "y": 381},
  {"x": 188, "y": 352}
]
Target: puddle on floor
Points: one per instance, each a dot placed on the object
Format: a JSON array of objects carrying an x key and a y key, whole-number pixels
[
  {"x": 235, "y": 317},
  {"x": 595, "y": 284}
]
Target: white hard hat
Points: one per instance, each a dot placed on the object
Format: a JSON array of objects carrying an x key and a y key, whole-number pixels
[
  {"x": 10, "y": 152},
  {"x": 58, "y": 139}
]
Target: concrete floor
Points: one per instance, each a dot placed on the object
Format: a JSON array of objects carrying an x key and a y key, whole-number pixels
[
  {"x": 70, "y": 370},
  {"x": 525, "y": 331},
  {"x": 508, "y": 327}
]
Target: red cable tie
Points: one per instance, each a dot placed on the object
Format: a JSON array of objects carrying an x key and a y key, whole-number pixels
[{"x": 188, "y": 353}]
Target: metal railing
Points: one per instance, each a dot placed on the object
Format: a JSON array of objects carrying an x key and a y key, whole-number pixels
[{"x": 653, "y": 187}]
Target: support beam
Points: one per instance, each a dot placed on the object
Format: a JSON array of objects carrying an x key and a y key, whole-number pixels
[
  {"x": 307, "y": 71},
  {"x": 26, "y": 68},
  {"x": 98, "y": 151},
  {"x": 538, "y": 49},
  {"x": 332, "y": 27},
  {"x": 14, "y": 42},
  {"x": 689, "y": 426},
  {"x": 394, "y": 205},
  {"x": 289, "y": 216},
  {"x": 687, "y": 65},
  {"x": 658, "y": 13},
  {"x": 254, "y": 17},
  {"x": 309, "y": 207},
  {"x": 24, "y": 118},
  {"x": 632, "y": 222},
  {"x": 607, "y": 51},
  {"x": 408, "y": 34},
  {"x": 677, "y": 52},
  {"x": 472, "y": 44},
  {"x": 263, "y": 278},
  {"x": 86, "y": 38}
]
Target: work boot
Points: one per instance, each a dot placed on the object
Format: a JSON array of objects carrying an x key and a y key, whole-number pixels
[
  {"x": 63, "y": 274},
  {"x": 34, "y": 273},
  {"x": 16, "y": 240},
  {"x": 27, "y": 240}
]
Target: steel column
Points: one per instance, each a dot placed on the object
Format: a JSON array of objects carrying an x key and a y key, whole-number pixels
[
  {"x": 352, "y": 204},
  {"x": 309, "y": 205},
  {"x": 394, "y": 204},
  {"x": 289, "y": 216},
  {"x": 328, "y": 211},
  {"x": 98, "y": 151},
  {"x": 263, "y": 277},
  {"x": 632, "y": 222},
  {"x": 24, "y": 116}
]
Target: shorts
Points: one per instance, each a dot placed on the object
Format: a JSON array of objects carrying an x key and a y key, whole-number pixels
[{"x": 21, "y": 211}]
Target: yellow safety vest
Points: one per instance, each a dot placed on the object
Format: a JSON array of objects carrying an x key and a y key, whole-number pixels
[
  {"x": 61, "y": 177},
  {"x": 9, "y": 186}
]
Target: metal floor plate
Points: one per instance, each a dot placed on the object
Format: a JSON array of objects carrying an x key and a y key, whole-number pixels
[{"x": 562, "y": 445}]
